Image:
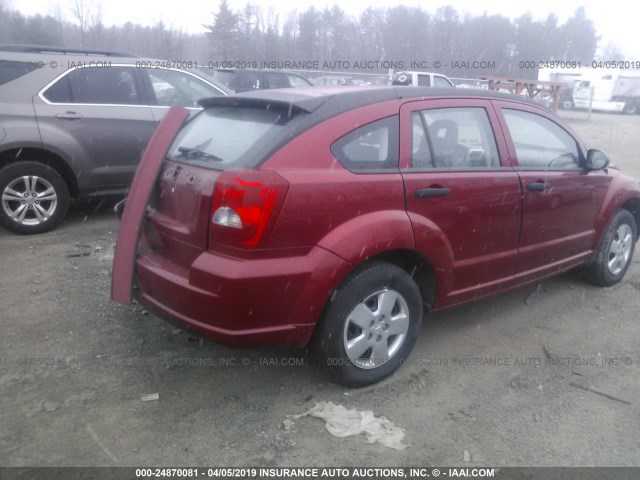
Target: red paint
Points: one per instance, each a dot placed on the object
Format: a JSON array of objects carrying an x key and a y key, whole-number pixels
[{"x": 308, "y": 222}]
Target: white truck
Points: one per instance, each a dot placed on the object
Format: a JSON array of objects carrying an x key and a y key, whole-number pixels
[
  {"x": 569, "y": 76},
  {"x": 421, "y": 79},
  {"x": 613, "y": 91}
]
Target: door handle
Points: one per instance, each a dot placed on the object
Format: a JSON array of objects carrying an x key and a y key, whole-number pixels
[
  {"x": 538, "y": 186},
  {"x": 69, "y": 116},
  {"x": 432, "y": 192}
]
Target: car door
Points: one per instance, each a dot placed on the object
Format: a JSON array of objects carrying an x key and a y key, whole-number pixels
[
  {"x": 99, "y": 117},
  {"x": 462, "y": 196},
  {"x": 561, "y": 198}
]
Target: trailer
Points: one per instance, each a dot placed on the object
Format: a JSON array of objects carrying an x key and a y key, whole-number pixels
[
  {"x": 567, "y": 76},
  {"x": 617, "y": 91}
]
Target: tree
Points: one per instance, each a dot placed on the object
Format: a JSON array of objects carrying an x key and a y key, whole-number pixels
[
  {"x": 370, "y": 27},
  {"x": 309, "y": 36},
  {"x": 79, "y": 10},
  {"x": 580, "y": 37},
  {"x": 223, "y": 33},
  {"x": 446, "y": 35}
]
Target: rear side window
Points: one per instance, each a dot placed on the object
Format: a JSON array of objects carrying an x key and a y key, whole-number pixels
[
  {"x": 11, "y": 70},
  {"x": 225, "y": 137},
  {"x": 371, "y": 147},
  {"x": 453, "y": 138},
  {"x": 111, "y": 86},
  {"x": 172, "y": 87}
]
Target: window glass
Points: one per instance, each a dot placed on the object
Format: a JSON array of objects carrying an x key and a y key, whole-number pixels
[
  {"x": 115, "y": 85},
  {"x": 424, "y": 81},
  {"x": 371, "y": 147},
  {"x": 245, "y": 80},
  {"x": 420, "y": 151},
  {"x": 541, "y": 143},
  {"x": 277, "y": 80},
  {"x": 456, "y": 138},
  {"x": 440, "y": 82},
  {"x": 297, "y": 81},
  {"x": 172, "y": 87},
  {"x": 230, "y": 137}
]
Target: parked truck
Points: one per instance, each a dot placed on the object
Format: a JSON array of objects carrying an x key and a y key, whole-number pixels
[
  {"x": 569, "y": 76},
  {"x": 617, "y": 91}
]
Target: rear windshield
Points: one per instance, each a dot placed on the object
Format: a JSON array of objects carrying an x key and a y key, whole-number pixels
[
  {"x": 225, "y": 137},
  {"x": 11, "y": 69}
]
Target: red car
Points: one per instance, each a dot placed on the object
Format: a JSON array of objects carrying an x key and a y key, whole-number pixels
[{"x": 336, "y": 216}]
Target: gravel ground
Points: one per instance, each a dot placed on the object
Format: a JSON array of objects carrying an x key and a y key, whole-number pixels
[{"x": 545, "y": 375}]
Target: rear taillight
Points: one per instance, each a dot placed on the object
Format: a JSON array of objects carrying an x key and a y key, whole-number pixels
[{"x": 245, "y": 206}]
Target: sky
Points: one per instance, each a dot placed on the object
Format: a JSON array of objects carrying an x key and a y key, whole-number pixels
[{"x": 611, "y": 18}]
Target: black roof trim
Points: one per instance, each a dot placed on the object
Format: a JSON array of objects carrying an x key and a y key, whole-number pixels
[
  {"x": 297, "y": 102},
  {"x": 63, "y": 50}
]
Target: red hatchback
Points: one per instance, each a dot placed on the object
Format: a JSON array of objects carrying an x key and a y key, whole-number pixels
[{"x": 336, "y": 216}]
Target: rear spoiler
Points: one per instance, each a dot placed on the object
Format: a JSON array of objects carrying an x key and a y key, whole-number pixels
[{"x": 294, "y": 103}]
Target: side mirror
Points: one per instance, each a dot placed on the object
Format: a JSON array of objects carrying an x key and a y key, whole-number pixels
[{"x": 597, "y": 160}]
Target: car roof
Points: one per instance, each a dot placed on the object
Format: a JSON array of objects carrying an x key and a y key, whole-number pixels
[{"x": 333, "y": 100}]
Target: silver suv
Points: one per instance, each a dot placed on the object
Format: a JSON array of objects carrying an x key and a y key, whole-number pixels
[{"x": 74, "y": 123}]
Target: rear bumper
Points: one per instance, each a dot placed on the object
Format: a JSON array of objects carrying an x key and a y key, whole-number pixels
[{"x": 241, "y": 303}]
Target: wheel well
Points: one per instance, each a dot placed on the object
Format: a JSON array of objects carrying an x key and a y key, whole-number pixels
[
  {"x": 418, "y": 267},
  {"x": 633, "y": 206},
  {"x": 45, "y": 157}
]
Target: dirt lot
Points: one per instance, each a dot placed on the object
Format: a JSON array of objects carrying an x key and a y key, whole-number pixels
[{"x": 502, "y": 382}]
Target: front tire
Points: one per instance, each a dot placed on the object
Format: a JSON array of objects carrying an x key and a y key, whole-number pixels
[
  {"x": 615, "y": 252},
  {"x": 370, "y": 326},
  {"x": 34, "y": 199}
]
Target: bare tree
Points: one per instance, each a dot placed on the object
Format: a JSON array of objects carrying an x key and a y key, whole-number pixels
[{"x": 79, "y": 10}]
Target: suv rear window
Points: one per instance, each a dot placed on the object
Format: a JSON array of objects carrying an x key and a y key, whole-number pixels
[
  {"x": 11, "y": 69},
  {"x": 225, "y": 137}
]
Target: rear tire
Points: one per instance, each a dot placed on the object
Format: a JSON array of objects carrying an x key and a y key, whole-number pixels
[
  {"x": 370, "y": 326},
  {"x": 630, "y": 108},
  {"x": 615, "y": 252},
  {"x": 34, "y": 198},
  {"x": 567, "y": 105}
]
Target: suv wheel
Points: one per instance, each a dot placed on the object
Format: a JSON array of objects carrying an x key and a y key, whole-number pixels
[
  {"x": 614, "y": 254},
  {"x": 34, "y": 199},
  {"x": 370, "y": 326}
]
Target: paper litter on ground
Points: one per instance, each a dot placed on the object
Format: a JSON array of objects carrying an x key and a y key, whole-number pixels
[{"x": 341, "y": 422}]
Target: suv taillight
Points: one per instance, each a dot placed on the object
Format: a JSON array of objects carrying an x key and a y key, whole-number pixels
[{"x": 245, "y": 206}]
